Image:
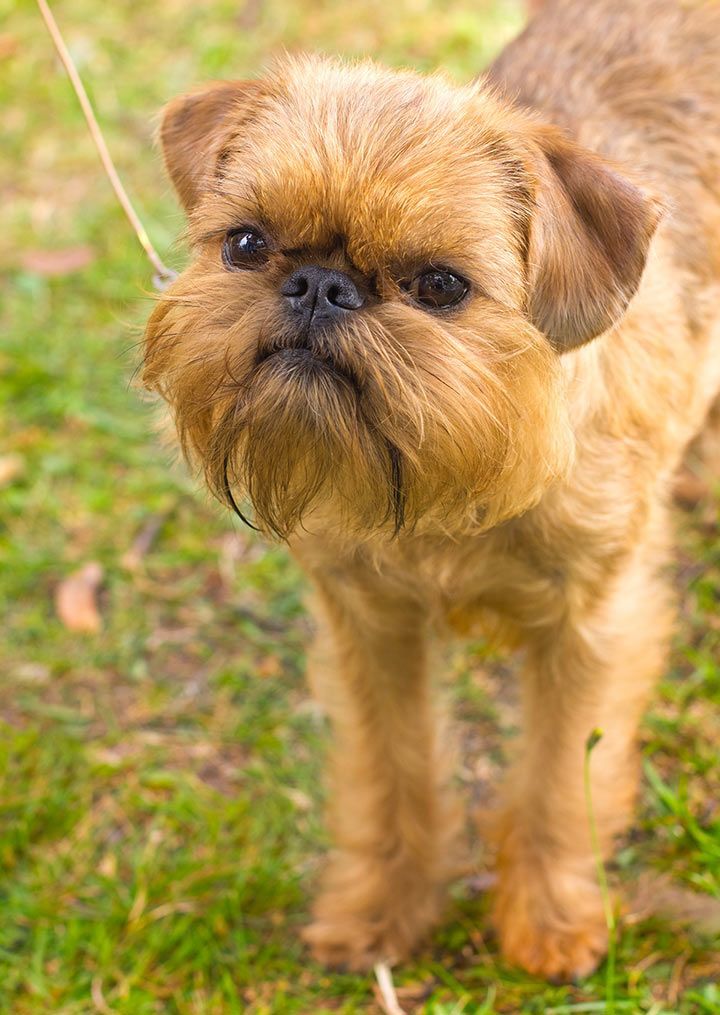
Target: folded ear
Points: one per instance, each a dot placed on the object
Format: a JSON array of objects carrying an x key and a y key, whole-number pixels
[
  {"x": 193, "y": 128},
  {"x": 589, "y": 236}
]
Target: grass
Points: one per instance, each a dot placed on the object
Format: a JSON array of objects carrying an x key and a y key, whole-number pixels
[{"x": 159, "y": 804}]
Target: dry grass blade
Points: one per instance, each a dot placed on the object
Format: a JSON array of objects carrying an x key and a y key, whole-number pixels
[
  {"x": 164, "y": 275},
  {"x": 143, "y": 542},
  {"x": 98, "y": 998},
  {"x": 388, "y": 997}
]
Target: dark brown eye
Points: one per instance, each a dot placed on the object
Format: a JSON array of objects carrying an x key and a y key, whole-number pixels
[
  {"x": 437, "y": 289},
  {"x": 244, "y": 249}
]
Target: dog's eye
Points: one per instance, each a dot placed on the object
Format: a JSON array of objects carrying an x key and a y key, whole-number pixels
[
  {"x": 244, "y": 249},
  {"x": 437, "y": 289}
]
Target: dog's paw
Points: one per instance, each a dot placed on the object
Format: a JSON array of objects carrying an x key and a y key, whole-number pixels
[
  {"x": 553, "y": 927},
  {"x": 353, "y": 945},
  {"x": 369, "y": 911},
  {"x": 566, "y": 955},
  {"x": 355, "y": 928}
]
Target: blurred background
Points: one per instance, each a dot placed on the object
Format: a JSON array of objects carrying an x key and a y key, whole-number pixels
[{"x": 160, "y": 800}]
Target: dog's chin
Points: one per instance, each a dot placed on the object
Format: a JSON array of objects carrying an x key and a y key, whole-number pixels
[{"x": 297, "y": 437}]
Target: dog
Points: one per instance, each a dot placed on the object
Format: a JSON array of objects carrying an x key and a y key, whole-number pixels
[{"x": 450, "y": 342}]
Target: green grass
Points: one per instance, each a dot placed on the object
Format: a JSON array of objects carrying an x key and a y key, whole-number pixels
[{"x": 159, "y": 805}]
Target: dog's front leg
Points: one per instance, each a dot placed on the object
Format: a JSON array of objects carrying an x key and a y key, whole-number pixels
[
  {"x": 392, "y": 831},
  {"x": 594, "y": 669}
]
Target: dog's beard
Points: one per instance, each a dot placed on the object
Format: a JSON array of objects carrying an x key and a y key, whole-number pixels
[
  {"x": 299, "y": 431},
  {"x": 378, "y": 427}
]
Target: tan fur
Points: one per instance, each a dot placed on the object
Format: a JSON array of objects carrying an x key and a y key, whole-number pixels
[{"x": 485, "y": 462}]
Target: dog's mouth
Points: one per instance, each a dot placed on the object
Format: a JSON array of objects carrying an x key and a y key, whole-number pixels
[{"x": 300, "y": 362}]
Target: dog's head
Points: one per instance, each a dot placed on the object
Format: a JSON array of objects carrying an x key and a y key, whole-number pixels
[{"x": 387, "y": 270}]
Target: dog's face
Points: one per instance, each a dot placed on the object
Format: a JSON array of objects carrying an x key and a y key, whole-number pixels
[{"x": 387, "y": 270}]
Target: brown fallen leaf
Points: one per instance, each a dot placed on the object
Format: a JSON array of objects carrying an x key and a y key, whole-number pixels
[
  {"x": 689, "y": 489},
  {"x": 11, "y": 466},
  {"x": 9, "y": 45},
  {"x": 76, "y": 599},
  {"x": 57, "y": 262}
]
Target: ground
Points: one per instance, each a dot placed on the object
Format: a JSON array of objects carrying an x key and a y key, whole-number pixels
[{"x": 160, "y": 800}]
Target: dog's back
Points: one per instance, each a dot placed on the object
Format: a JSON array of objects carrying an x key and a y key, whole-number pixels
[{"x": 638, "y": 81}]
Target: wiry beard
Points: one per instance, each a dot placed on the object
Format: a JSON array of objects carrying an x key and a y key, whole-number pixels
[
  {"x": 297, "y": 432},
  {"x": 395, "y": 419}
]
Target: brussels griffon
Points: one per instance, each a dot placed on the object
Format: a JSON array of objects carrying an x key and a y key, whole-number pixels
[{"x": 450, "y": 343}]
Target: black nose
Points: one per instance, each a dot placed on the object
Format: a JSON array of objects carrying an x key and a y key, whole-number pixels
[{"x": 320, "y": 294}]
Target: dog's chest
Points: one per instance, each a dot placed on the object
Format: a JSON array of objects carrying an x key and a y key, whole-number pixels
[{"x": 478, "y": 583}]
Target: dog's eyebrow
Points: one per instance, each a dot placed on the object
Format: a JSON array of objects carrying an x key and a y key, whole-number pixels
[{"x": 211, "y": 234}]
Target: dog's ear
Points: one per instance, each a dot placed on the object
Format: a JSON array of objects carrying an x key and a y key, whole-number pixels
[
  {"x": 193, "y": 128},
  {"x": 589, "y": 235}
]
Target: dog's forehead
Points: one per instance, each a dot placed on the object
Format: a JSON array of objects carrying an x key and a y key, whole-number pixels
[{"x": 397, "y": 165}]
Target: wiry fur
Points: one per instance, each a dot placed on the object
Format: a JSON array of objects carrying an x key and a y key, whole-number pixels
[
  {"x": 439, "y": 394},
  {"x": 490, "y": 463}
]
